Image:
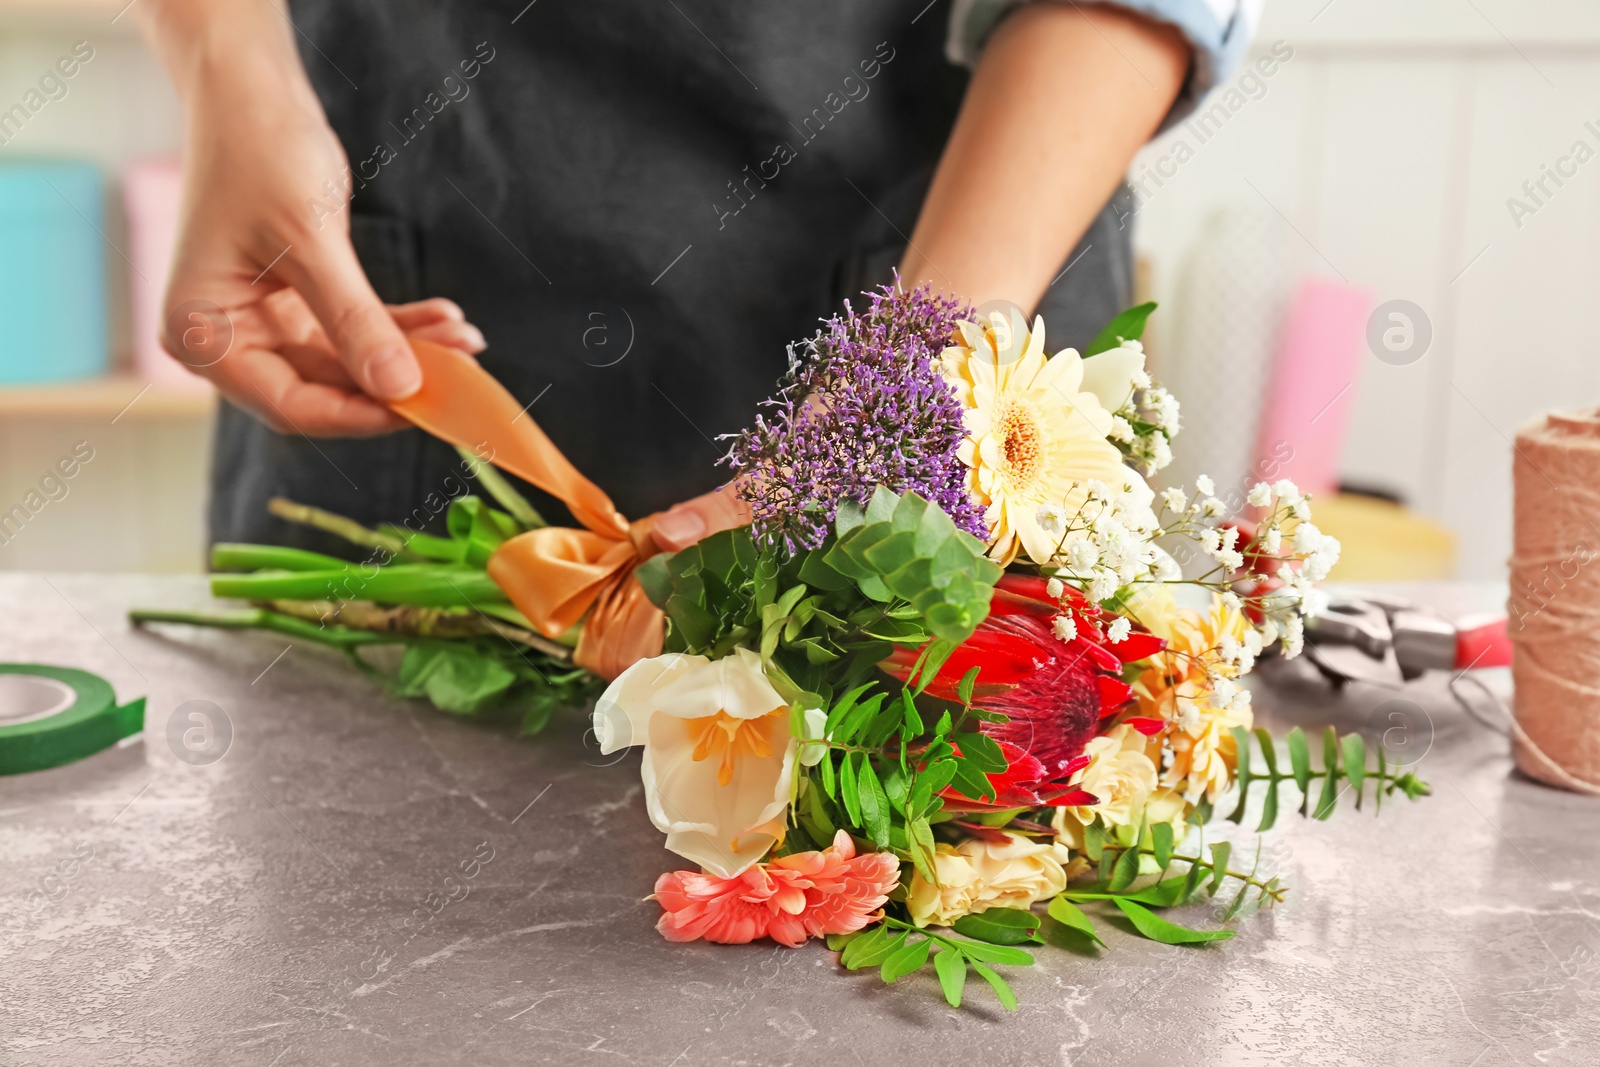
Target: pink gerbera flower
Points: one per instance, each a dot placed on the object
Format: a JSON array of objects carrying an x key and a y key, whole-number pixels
[{"x": 808, "y": 894}]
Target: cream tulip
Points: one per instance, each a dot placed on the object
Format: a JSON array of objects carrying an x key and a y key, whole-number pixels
[{"x": 719, "y": 753}]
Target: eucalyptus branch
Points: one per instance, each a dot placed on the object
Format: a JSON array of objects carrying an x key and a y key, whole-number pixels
[{"x": 1344, "y": 760}]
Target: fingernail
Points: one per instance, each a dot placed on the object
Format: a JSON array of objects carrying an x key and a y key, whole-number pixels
[
  {"x": 394, "y": 375},
  {"x": 680, "y": 527},
  {"x": 475, "y": 338}
]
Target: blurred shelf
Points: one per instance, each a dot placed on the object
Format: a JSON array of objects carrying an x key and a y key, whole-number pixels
[{"x": 117, "y": 397}]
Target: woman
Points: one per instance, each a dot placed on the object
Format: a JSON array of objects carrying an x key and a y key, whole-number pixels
[{"x": 625, "y": 210}]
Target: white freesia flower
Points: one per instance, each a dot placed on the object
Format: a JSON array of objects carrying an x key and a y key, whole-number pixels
[{"x": 719, "y": 753}]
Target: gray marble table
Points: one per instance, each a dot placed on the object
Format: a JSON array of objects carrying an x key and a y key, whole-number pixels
[{"x": 232, "y": 912}]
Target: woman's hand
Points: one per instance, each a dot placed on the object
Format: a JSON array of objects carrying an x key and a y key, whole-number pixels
[
  {"x": 684, "y": 524},
  {"x": 267, "y": 298},
  {"x": 1065, "y": 95}
]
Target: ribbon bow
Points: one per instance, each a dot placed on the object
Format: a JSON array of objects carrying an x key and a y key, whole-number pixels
[{"x": 555, "y": 575}]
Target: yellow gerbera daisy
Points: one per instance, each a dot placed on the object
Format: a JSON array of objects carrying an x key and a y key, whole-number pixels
[{"x": 1035, "y": 437}]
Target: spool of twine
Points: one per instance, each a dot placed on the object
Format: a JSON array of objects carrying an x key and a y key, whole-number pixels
[{"x": 1554, "y": 611}]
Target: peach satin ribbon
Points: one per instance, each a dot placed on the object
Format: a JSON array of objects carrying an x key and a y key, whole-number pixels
[{"x": 555, "y": 575}]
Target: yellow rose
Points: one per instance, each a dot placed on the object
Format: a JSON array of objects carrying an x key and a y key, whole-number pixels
[
  {"x": 1120, "y": 775},
  {"x": 978, "y": 875}
]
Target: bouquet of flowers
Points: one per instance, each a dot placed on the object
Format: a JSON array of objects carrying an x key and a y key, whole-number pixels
[{"x": 949, "y": 694}]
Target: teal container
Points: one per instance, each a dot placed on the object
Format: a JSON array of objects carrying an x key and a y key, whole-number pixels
[{"x": 52, "y": 272}]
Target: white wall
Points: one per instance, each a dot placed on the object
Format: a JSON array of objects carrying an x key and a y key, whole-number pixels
[{"x": 1391, "y": 142}]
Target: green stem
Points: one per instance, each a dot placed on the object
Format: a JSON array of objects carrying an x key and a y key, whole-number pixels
[
  {"x": 1193, "y": 861},
  {"x": 260, "y": 619},
  {"x": 426, "y": 584},
  {"x": 503, "y": 492},
  {"x": 229, "y": 556},
  {"x": 338, "y": 525}
]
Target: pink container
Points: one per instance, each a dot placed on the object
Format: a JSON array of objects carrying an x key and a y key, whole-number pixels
[
  {"x": 1314, "y": 375},
  {"x": 152, "y": 191}
]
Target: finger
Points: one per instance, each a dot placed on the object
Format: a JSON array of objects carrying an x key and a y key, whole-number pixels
[
  {"x": 267, "y": 385},
  {"x": 681, "y": 526},
  {"x": 459, "y": 335},
  {"x": 425, "y": 312},
  {"x": 365, "y": 336}
]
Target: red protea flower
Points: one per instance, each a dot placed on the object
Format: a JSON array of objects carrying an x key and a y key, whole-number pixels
[{"x": 1053, "y": 692}]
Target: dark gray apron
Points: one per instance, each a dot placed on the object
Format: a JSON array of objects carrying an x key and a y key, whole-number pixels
[{"x": 639, "y": 202}]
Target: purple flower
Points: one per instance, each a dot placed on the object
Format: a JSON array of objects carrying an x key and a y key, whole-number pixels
[{"x": 863, "y": 405}]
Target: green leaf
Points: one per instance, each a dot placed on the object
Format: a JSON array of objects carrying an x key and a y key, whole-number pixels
[
  {"x": 1191, "y": 882},
  {"x": 982, "y": 752},
  {"x": 1128, "y": 326},
  {"x": 869, "y": 951},
  {"x": 849, "y": 788},
  {"x": 825, "y": 771},
  {"x": 1299, "y": 758},
  {"x": 1355, "y": 764},
  {"x": 458, "y": 677},
  {"x": 1330, "y": 778},
  {"x": 971, "y": 782},
  {"x": 1072, "y": 917},
  {"x": 1269, "y": 807},
  {"x": 1220, "y": 852},
  {"x": 837, "y": 942},
  {"x": 964, "y": 689},
  {"x": 951, "y": 966},
  {"x": 1094, "y": 840},
  {"x": 1000, "y": 926},
  {"x": 1156, "y": 928},
  {"x": 1002, "y": 990},
  {"x": 1124, "y": 871},
  {"x": 905, "y": 959},
  {"x": 911, "y": 722},
  {"x": 1006, "y": 954},
  {"x": 874, "y": 804},
  {"x": 1161, "y": 843}
]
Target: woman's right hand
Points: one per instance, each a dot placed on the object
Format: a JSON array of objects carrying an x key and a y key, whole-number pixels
[{"x": 267, "y": 298}]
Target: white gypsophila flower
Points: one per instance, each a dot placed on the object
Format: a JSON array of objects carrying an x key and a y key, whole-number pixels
[
  {"x": 1302, "y": 510},
  {"x": 1119, "y": 630},
  {"x": 1313, "y": 603},
  {"x": 1082, "y": 556},
  {"x": 1272, "y": 541},
  {"x": 1210, "y": 539},
  {"x": 1205, "y": 486},
  {"x": 1103, "y": 585},
  {"x": 1260, "y": 495},
  {"x": 1294, "y": 637},
  {"x": 1231, "y": 601},
  {"x": 1121, "y": 429},
  {"x": 1268, "y": 631},
  {"x": 1175, "y": 499},
  {"x": 1065, "y": 627},
  {"x": 1307, "y": 538},
  {"x": 1224, "y": 691},
  {"x": 1054, "y": 588},
  {"x": 1050, "y": 520},
  {"x": 1163, "y": 409},
  {"x": 1159, "y": 451},
  {"x": 1141, "y": 379},
  {"x": 1230, "y": 560},
  {"x": 1287, "y": 491},
  {"x": 1230, "y": 536}
]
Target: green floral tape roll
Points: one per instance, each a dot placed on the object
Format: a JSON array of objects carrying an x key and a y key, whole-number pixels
[{"x": 55, "y": 715}]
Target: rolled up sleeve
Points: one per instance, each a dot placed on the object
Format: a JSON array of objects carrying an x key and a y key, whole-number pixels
[{"x": 1218, "y": 33}]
